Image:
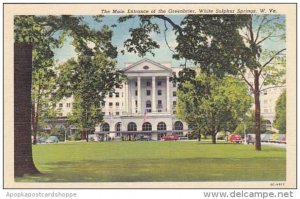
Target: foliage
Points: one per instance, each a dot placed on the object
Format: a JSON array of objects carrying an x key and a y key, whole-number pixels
[
  {"x": 248, "y": 124},
  {"x": 59, "y": 132},
  {"x": 209, "y": 104},
  {"x": 43, "y": 33},
  {"x": 280, "y": 118},
  {"x": 88, "y": 80},
  {"x": 226, "y": 44}
]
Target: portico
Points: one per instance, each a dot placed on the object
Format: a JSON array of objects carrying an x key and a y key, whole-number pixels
[
  {"x": 145, "y": 100},
  {"x": 148, "y": 89}
]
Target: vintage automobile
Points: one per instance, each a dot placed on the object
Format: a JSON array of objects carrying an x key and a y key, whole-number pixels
[
  {"x": 52, "y": 139},
  {"x": 170, "y": 137},
  {"x": 250, "y": 139},
  {"x": 235, "y": 138}
]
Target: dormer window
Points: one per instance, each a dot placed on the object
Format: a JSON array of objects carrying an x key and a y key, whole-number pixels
[{"x": 146, "y": 67}]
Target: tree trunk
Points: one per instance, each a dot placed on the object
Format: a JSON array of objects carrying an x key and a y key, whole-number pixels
[
  {"x": 33, "y": 122},
  {"x": 257, "y": 110},
  {"x": 87, "y": 135},
  {"x": 23, "y": 161},
  {"x": 214, "y": 138},
  {"x": 199, "y": 137}
]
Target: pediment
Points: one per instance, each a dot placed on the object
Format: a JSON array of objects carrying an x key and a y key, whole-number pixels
[{"x": 146, "y": 65}]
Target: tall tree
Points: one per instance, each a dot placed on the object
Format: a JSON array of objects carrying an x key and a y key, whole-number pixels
[
  {"x": 210, "y": 104},
  {"x": 88, "y": 80},
  {"x": 280, "y": 119},
  {"x": 42, "y": 108},
  {"x": 30, "y": 32},
  {"x": 223, "y": 44}
]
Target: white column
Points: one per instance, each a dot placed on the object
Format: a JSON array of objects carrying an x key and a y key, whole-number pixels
[
  {"x": 153, "y": 94},
  {"x": 168, "y": 94},
  {"x": 139, "y": 97},
  {"x": 126, "y": 97},
  {"x": 129, "y": 96}
]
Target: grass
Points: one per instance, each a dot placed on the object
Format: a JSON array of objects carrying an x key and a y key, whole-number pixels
[{"x": 156, "y": 161}]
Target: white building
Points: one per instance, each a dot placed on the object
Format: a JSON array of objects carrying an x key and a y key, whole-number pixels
[
  {"x": 146, "y": 104},
  {"x": 268, "y": 97}
]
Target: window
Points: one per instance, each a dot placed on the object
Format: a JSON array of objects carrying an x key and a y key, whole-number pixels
[
  {"x": 136, "y": 93},
  {"x": 117, "y": 113},
  {"x": 105, "y": 127},
  {"x": 117, "y": 94},
  {"x": 60, "y": 105},
  {"x": 135, "y": 83},
  {"x": 118, "y": 126},
  {"x": 174, "y": 93},
  {"x": 174, "y": 112},
  {"x": 148, "y": 83},
  {"x": 110, "y": 104},
  {"x": 146, "y": 67},
  {"x": 103, "y": 113},
  {"x": 265, "y": 92},
  {"x": 174, "y": 104},
  {"x": 117, "y": 104},
  {"x": 131, "y": 126},
  {"x": 110, "y": 94},
  {"x": 174, "y": 84},
  {"x": 147, "y": 126},
  {"x": 60, "y": 114},
  {"x": 148, "y": 104},
  {"x": 178, "y": 125},
  {"x": 68, "y": 105},
  {"x": 136, "y": 102},
  {"x": 159, "y": 104},
  {"x": 159, "y": 83},
  {"x": 103, "y": 104},
  {"x": 118, "y": 134},
  {"x": 158, "y": 92},
  {"x": 161, "y": 126},
  {"x": 148, "y": 92}
]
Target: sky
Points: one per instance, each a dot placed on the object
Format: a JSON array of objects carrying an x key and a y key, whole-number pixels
[{"x": 121, "y": 33}]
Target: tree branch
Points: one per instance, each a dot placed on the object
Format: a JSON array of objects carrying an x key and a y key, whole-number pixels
[
  {"x": 272, "y": 87},
  {"x": 175, "y": 26},
  {"x": 265, "y": 64},
  {"x": 244, "y": 78},
  {"x": 165, "y": 31},
  {"x": 259, "y": 27}
]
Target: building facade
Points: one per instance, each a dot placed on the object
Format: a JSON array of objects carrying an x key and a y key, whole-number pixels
[{"x": 146, "y": 104}]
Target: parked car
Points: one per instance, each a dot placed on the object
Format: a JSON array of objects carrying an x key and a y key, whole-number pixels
[
  {"x": 170, "y": 137},
  {"x": 235, "y": 138},
  {"x": 145, "y": 138},
  {"x": 266, "y": 137},
  {"x": 251, "y": 139},
  {"x": 41, "y": 140},
  {"x": 52, "y": 139},
  {"x": 281, "y": 139},
  {"x": 183, "y": 138},
  {"x": 274, "y": 137}
]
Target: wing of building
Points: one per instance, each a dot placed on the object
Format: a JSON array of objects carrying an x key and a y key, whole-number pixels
[{"x": 145, "y": 106}]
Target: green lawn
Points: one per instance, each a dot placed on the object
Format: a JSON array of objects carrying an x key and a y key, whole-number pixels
[{"x": 156, "y": 161}]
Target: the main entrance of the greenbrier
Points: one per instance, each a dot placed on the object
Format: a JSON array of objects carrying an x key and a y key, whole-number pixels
[{"x": 146, "y": 132}]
